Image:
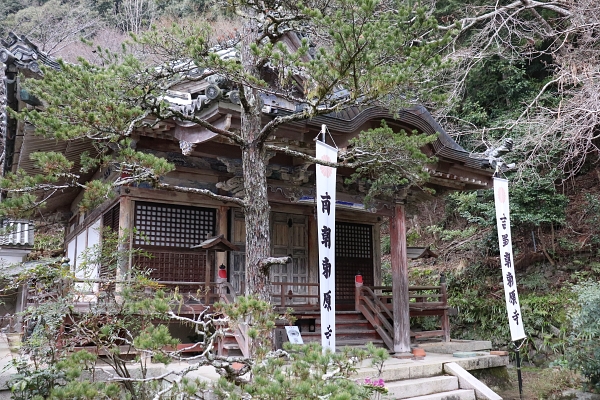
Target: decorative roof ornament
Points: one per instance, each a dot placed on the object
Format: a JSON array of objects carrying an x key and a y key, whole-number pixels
[
  {"x": 21, "y": 52},
  {"x": 492, "y": 157}
]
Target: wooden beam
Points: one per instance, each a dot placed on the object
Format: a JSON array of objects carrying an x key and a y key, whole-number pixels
[{"x": 400, "y": 280}]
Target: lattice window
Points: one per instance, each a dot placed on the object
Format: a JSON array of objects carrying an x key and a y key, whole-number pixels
[
  {"x": 169, "y": 225},
  {"x": 353, "y": 254},
  {"x": 353, "y": 240}
]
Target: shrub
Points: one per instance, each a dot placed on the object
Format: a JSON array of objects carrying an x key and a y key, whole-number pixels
[{"x": 585, "y": 344}]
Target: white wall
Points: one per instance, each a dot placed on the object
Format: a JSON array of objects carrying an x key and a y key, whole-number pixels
[{"x": 76, "y": 250}]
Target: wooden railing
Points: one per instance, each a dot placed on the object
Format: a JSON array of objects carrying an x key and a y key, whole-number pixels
[
  {"x": 283, "y": 295},
  {"x": 376, "y": 312},
  {"x": 375, "y": 303},
  {"x": 240, "y": 331},
  {"x": 192, "y": 293}
]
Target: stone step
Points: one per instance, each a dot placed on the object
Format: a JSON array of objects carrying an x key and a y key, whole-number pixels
[
  {"x": 351, "y": 324},
  {"x": 341, "y": 343},
  {"x": 231, "y": 349},
  {"x": 364, "y": 335},
  {"x": 460, "y": 394},
  {"x": 421, "y": 387},
  {"x": 344, "y": 331}
]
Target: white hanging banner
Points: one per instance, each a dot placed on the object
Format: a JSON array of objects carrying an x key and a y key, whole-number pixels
[
  {"x": 326, "y": 234},
  {"x": 506, "y": 259}
]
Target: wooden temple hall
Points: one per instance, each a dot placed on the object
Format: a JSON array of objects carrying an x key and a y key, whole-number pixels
[{"x": 197, "y": 242}]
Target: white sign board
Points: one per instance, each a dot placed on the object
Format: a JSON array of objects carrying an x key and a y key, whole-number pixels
[
  {"x": 513, "y": 308},
  {"x": 326, "y": 234},
  {"x": 293, "y": 334}
]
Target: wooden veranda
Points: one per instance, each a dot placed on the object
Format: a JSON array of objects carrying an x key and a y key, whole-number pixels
[{"x": 371, "y": 319}]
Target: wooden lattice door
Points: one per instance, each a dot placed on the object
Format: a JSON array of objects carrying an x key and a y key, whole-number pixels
[
  {"x": 353, "y": 254},
  {"x": 289, "y": 237}
]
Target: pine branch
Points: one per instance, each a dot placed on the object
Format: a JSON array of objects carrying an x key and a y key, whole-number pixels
[{"x": 205, "y": 192}]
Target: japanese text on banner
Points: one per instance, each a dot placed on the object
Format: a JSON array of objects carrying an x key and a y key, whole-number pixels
[
  {"x": 326, "y": 234},
  {"x": 513, "y": 308}
]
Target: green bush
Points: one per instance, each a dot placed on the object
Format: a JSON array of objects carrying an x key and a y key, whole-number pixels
[
  {"x": 584, "y": 354},
  {"x": 477, "y": 293}
]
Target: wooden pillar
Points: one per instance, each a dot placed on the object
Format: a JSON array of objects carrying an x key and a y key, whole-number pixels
[
  {"x": 126, "y": 212},
  {"x": 377, "y": 254},
  {"x": 313, "y": 256},
  {"x": 400, "y": 280}
]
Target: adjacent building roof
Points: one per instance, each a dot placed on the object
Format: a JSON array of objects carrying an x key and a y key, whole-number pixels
[
  {"x": 414, "y": 253},
  {"x": 24, "y": 55}
]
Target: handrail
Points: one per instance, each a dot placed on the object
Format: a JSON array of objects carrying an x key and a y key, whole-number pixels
[
  {"x": 86, "y": 295},
  {"x": 313, "y": 284},
  {"x": 225, "y": 287},
  {"x": 240, "y": 331},
  {"x": 283, "y": 294},
  {"x": 410, "y": 288},
  {"x": 420, "y": 304},
  {"x": 377, "y": 301},
  {"x": 368, "y": 303},
  {"x": 381, "y": 307}
]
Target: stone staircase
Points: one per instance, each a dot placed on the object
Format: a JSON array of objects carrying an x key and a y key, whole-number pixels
[
  {"x": 352, "y": 329},
  {"x": 438, "y": 376},
  {"x": 432, "y": 388}
]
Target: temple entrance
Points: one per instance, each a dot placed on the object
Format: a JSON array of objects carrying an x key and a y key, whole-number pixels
[
  {"x": 290, "y": 238},
  {"x": 353, "y": 255}
]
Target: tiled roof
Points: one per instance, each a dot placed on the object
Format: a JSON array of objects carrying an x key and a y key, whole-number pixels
[{"x": 24, "y": 54}]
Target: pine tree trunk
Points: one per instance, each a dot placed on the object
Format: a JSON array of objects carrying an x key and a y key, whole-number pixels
[
  {"x": 254, "y": 160},
  {"x": 258, "y": 243}
]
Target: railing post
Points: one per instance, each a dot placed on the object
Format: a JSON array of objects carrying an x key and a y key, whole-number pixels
[
  {"x": 282, "y": 294},
  {"x": 358, "y": 283},
  {"x": 445, "y": 318}
]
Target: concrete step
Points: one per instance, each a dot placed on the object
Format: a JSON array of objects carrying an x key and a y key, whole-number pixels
[
  {"x": 460, "y": 394},
  {"x": 421, "y": 387}
]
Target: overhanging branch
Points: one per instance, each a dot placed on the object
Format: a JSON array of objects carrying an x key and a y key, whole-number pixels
[
  {"x": 204, "y": 192},
  {"x": 467, "y": 23}
]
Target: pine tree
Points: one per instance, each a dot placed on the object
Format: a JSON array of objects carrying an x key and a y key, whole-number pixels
[{"x": 348, "y": 53}]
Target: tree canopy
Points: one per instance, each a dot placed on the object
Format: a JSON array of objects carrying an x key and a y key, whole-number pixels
[{"x": 325, "y": 56}]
